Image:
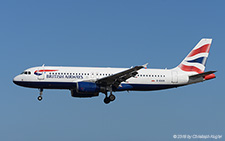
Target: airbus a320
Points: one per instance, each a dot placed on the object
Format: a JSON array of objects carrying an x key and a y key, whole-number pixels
[{"x": 90, "y": 81}]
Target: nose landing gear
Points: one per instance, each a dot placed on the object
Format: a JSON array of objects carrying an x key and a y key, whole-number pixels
[{"x": 40, "y": 97}]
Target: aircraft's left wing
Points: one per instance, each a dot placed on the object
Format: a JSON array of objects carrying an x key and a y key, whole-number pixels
[{"x": 116, "y": 79}]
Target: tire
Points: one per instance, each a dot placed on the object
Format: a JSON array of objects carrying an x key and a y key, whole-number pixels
[
  {"x": 112, "y": 97},
  {"x": 106, "y": 100},
  {"x": 39, "y": 98}
]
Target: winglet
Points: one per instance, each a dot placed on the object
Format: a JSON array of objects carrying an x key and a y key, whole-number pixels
[{"x": 145, "y": 65}]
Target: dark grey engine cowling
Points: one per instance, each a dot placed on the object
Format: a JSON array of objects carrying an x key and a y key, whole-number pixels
[{"x": 86, "y": 89}]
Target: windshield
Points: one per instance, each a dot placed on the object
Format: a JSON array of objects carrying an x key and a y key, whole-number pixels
[{"x": 26, "y": 72}]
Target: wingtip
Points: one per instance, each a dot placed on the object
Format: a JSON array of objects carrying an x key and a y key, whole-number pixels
[{"x": 145, "y": 65}]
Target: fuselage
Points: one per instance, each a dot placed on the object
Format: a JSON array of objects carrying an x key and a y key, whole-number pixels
[{"x": 51, "y": 77}]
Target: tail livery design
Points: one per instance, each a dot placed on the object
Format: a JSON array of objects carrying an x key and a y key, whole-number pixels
[{"x": 196, "y": 59}]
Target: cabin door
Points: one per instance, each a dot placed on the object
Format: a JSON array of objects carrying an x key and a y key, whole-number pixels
[
  {"x": 174, "y": 77},
  {"x": 41, "y": 73}
]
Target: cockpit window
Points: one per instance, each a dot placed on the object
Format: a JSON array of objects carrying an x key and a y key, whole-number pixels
[{"x": 26, "y": 72}]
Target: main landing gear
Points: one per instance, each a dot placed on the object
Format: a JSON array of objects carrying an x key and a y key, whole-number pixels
[
  {"x": 40, "y": 97},
  {"x": 109, "y": 98}
]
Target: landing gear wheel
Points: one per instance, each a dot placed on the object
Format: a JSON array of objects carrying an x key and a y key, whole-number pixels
[
  {"x": 112, "y": 97},
  {"x": 40, "y": 98},
  {"x": 41, "y": 92},
  {"x": 106, "y": 100}
]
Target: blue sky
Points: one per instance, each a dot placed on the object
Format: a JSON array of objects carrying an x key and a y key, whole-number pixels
[{"x": 109, "y": 34}]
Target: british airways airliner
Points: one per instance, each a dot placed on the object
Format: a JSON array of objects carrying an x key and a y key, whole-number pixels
[{"x": 90, "y": 81}]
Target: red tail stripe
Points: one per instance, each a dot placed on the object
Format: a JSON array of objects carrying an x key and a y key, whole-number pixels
[
  {"x": 203, "y": 49},
  {"x": 190, "y": 68}
]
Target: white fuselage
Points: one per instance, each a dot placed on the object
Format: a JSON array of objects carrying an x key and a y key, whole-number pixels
[{"x": 67, "y": 77}]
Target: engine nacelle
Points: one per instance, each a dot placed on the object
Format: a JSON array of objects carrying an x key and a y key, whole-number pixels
[
  {"x": 86, "y": 89},
  {"x": 74, "y": 93}
]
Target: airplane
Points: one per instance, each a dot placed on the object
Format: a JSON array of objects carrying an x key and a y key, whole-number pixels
[{"x": 90, "y": 81}]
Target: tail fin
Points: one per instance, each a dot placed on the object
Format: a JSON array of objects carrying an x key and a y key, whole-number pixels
[{"x": 195, "y": 61}]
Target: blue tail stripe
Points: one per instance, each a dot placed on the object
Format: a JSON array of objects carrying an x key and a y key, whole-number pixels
[{"x": 198, "y": 60}]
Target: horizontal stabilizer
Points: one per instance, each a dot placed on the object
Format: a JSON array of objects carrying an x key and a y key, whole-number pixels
[{"x": 201, "y": 74}]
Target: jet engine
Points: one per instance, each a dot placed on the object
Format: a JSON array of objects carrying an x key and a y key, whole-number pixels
[{"x": 86, "y": 89}]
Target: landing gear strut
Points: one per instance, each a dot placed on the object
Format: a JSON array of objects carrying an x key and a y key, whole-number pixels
[
  {"x": 40, "y": 97},
  {"x": 109, "y": 98}
]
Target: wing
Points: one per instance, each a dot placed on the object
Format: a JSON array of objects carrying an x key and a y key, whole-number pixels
[{"x": 116, "y": 79}]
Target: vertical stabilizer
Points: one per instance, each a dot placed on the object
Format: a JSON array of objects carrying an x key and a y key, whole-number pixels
[{"x": 195, "y": 61}]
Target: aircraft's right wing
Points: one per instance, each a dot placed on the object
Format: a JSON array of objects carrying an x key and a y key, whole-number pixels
[{"x": 116, "y": 79}]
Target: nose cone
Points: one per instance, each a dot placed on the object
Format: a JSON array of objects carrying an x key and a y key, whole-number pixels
[{"x": 16, "y": 80}]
